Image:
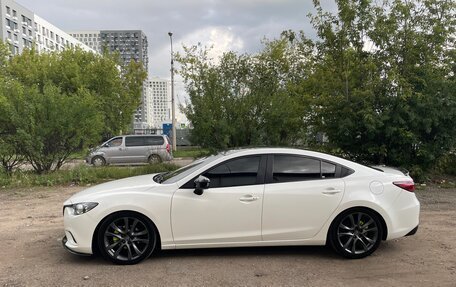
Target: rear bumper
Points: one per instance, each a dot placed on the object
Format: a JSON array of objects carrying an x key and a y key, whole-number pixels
[
  {"x": 405, "y": 216},
  {"x": 413, "y": 232}
]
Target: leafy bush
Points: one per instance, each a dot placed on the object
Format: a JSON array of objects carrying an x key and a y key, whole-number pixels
[
  {"x": 55, "y": 104},
  {"x": 80, "y": 175}
]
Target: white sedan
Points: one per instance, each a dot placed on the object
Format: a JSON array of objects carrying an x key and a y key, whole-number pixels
[{"x": 246, "y": 197}]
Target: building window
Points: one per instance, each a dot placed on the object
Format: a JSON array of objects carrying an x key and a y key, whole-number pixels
[
  {"x": 9, "y": 35},
  {"x": 8, "y": 10},
  {"x": 8, "y": 23},
  {"x": 14, "y": 13}
]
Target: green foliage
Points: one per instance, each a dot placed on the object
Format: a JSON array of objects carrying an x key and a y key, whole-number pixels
[
  {"x": 193, "y": 152},
  {"x": 117, "y": 89},
  {"x": 55, "y": 104},
  {"x": 80, "y": 175},
  {"x": 392, "y": 103},
  {"x": 378, "y": 83},
  {"x": 246, "y": 100}
]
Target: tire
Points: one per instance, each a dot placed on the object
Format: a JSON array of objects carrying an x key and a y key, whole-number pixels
[
  {"x": 126, "y": 238},
  {"x": 154, "y": 158},
  {"x": 98, "y": 161},
  {"x": 356, "y": 233}
]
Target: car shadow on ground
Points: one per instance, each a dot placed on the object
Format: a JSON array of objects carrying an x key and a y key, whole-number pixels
[{"x": 321, "y": 252}]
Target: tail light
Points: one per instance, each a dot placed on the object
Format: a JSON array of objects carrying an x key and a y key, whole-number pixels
[
  {"x": 168, "y": 148},
  {"x": 408, "y": 185}
]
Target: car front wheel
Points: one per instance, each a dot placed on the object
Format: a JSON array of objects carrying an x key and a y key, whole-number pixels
[
  {"x": 356, "y": 233},
  {"x": 98, "y": 161},
  {"x": 126, "y": 238}
]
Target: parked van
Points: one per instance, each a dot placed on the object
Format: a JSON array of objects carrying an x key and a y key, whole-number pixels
[{"x": 132, "y": 149}]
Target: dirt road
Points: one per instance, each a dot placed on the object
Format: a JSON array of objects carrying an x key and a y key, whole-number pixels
[{"x": 31, "y": 254}]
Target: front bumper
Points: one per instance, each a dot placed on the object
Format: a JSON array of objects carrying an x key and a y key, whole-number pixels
[
  {"x": 79, "y": 231},
  {"x": 64, "y": 241}
]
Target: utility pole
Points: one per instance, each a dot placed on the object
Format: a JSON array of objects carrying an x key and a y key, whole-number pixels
[{"x": 173, "y": 108}]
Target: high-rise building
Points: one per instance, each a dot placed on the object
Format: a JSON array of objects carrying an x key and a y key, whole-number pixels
[
  {"x": 20, "y": 28},
  {"x": 131, "y": 45},
  {"x": 158, "y": 102}
]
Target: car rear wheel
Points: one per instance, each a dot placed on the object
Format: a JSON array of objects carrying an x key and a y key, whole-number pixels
[
  {"x": 155, "y": 158},
  {"x": 356, "y": 233},
  {"x": 98, "y": 161},
  {"x": 126, "y": 238}
]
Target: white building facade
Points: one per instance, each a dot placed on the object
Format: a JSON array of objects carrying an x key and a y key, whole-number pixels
[
  {"x": 20, "y": 28},
  {"x": 158, "y": 102}
]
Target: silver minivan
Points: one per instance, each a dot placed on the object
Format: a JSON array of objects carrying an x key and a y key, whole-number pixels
[{"x": 130, "y": 149}]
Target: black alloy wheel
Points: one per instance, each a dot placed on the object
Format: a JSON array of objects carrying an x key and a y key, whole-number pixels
[
  {"x": 356, "y": 233},
  {"x": 126, "y": 238}
]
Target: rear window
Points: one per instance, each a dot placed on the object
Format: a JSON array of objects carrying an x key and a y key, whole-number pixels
[{"x": 154, "y": 141}]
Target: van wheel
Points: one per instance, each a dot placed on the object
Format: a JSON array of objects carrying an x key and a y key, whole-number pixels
[
  {"x": 153, "y": 159},
  {"x": 98, "y": 161}
]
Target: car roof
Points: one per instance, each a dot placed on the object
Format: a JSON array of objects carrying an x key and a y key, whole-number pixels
[{"x": 150, "y": 135}]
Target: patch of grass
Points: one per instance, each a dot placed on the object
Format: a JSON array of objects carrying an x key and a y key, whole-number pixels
[
  {"x": 191, "y": 152},
  {"x": 80, "y": 175}
]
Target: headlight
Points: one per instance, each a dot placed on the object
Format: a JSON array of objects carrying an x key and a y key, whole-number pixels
[{"x": 82, "y": 207}]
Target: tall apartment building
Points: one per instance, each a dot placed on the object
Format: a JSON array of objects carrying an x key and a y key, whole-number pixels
[
  {"x": 131, "y": 45},
  {"x": 159, "y": 102},
  {"x": 20, "y": 28}
]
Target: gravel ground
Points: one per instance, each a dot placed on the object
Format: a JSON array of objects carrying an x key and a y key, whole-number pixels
[{"x": 32, "y": 255}]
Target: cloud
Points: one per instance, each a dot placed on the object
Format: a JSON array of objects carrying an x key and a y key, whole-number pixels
[{"x": 219, "y": 39}]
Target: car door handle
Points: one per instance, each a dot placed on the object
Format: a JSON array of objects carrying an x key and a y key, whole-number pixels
[
  {"x": 332, "y": 191},
  {"x": 248, "y": 198}
]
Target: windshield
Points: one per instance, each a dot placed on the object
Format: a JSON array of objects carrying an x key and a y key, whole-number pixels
[{"x": 175, "y": 176}]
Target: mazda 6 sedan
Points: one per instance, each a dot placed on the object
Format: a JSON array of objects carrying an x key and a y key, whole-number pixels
[{"x": 246, "y": 197}]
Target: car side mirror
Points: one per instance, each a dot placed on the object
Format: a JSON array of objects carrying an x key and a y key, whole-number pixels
[
  {"x": 201, "y": 183},
  {"x": 105, "y": 145}
]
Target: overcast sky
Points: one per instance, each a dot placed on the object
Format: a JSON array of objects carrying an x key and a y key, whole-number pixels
[{"x": 237, "y": 25}]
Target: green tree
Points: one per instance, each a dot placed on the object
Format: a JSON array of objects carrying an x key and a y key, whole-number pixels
[
  {"x": 54, "y": 104},
  {"x": 117, "y": 88},
  {"x": 242, "y": 100},
  {"x": 60, "y": 124},
  {"x": 384, "y": 80}
]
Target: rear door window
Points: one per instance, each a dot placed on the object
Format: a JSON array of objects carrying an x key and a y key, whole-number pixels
[
  {"x": 134, "y": 141},
  {"x": 289, "y": 168},
  {"x": 328, "y": 170}
]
